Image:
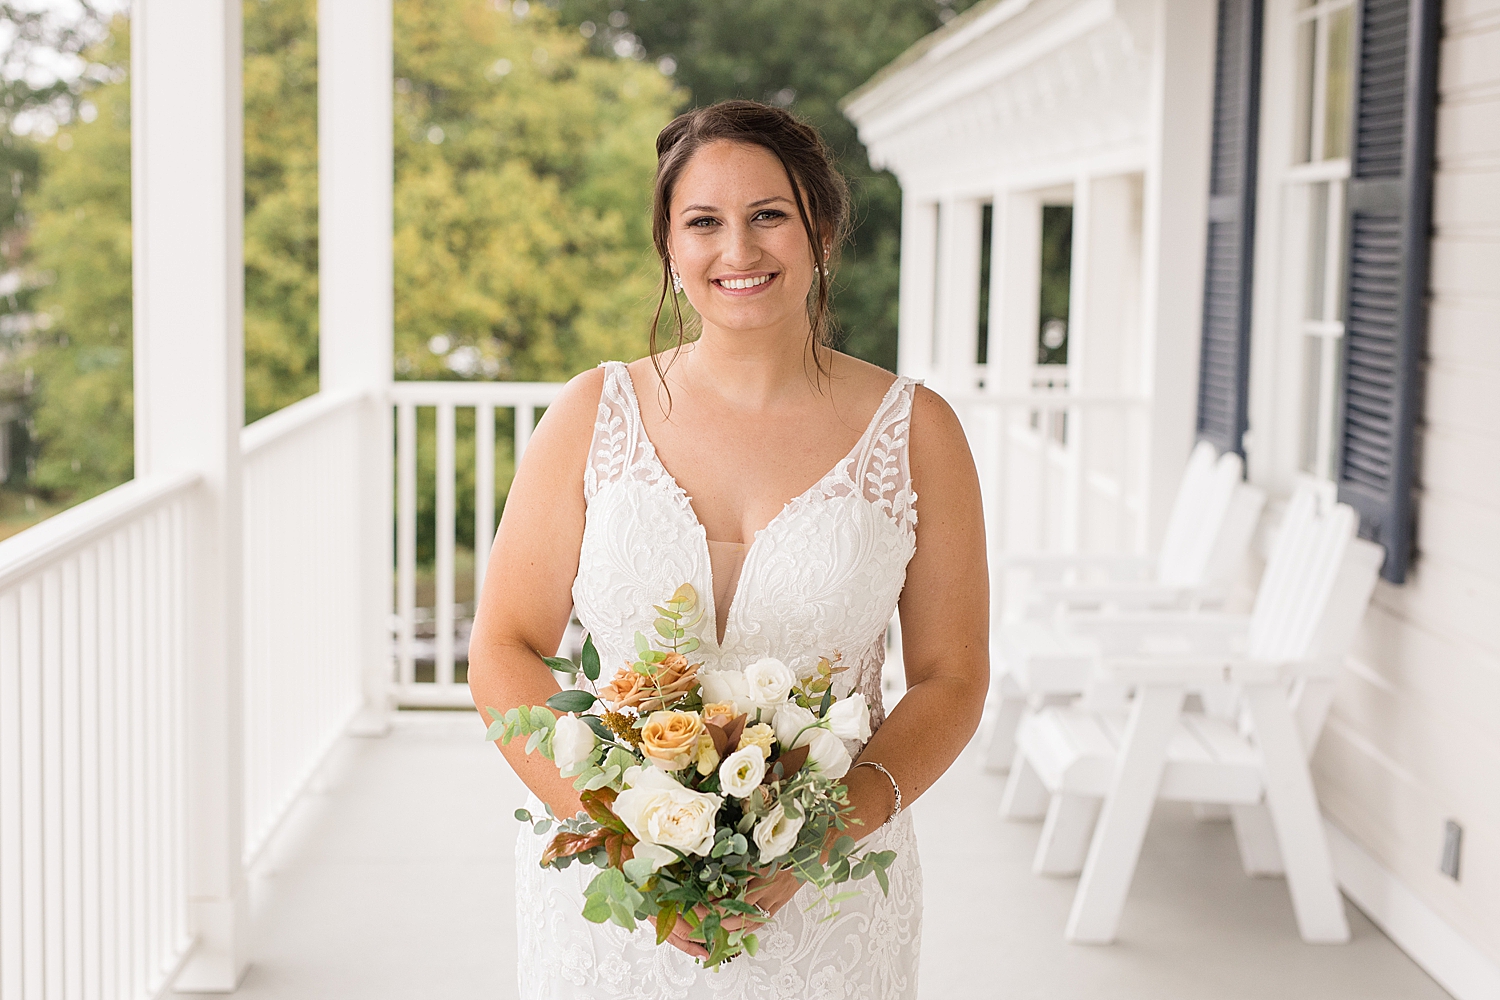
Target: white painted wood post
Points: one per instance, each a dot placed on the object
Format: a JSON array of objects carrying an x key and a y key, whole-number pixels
[
  {"x": 187, "y": 228},
  {"x": 1174, "y": 224},
  {"x": 355, "y": 307},
  {"x": 958, "y": 294},
  {"x": 914, "y": 343}
]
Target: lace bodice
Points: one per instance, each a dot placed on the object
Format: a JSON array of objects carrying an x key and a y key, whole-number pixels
[{"x": 823, "y": 577}]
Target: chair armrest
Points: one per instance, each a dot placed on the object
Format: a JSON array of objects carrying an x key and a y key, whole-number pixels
[
  {"x": 1203, "y": 634},
  {"x": 1053, "y": 567},
  {"x": 1195, "y": 671},
  {"x": 1130, "y": 595}
]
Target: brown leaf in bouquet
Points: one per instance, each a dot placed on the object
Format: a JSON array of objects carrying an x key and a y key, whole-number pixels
[
  {"x": 788, "y": 764},
  {"x": 725, "y": 732},
  {"x": 565, "y": 845},
  {"x": 675, "y": 677},
  {"x": 599, "y": 803}
]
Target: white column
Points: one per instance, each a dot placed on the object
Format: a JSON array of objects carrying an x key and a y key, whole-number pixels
[
  {"x": 918, "y": 287},
  {"x": 355, "y": 341},
  {"x": 958, "y": 294},
  {"x": 1017, "y": 275},
  {"x": 1174, "y": 224},
  {"x": 187, "y": 215}
]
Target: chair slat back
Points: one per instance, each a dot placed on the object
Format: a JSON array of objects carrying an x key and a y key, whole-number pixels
[
  {"x": 1304, "y": 568},
  {"x": 1185, "y": 520}
]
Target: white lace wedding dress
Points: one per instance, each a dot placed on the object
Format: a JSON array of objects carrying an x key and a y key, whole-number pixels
[{"x": 823, "y": 576}]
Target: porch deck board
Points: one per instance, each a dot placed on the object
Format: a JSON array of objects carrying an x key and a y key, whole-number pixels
[{"x": 392, "y": 878}]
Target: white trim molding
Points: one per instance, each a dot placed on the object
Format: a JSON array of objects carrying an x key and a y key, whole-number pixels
[{"x": 1457, "y": 965}]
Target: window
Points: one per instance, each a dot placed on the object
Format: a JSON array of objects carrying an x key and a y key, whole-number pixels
[
  {"x": 1057, "y": 276},
  {"x": 986, "y": 249},
  {"x": 1317, "y": 183}
]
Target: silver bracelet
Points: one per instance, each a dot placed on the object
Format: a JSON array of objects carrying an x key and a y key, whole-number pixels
[{"x": 896, "y": 811}]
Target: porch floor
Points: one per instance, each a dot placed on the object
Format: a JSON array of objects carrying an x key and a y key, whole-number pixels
[{"x": 391, "y": 878}]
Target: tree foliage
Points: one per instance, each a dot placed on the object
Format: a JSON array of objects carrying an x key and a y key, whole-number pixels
[
  {"x": 522, "y": 237},
  {"x": 806, "y": 55}
]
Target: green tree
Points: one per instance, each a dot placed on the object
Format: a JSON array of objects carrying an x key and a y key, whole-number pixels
[
  {"x": 523, "y": 185},
  {"x": 806, "y": 55},
  {"x": 523, "y": 177},
  {"x": 80, "y": 253}
]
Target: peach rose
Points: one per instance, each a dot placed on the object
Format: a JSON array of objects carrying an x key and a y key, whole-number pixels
[
  {"x": 675, "y": 677},
  {"x": 670, "y": 739}
]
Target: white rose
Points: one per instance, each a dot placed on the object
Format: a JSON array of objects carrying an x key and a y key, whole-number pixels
[
  {"x": 827, "y": 752},
  {"x": 572, "y": 742},
  {"x": 658, "y": 810},
  {"x": 654, "y": 853},
  {"x": 742, "y": 771},
  {"x": 850, "y": 719},
  {"x": 769, "y": 681},
  {"x": 790, "y": 720},
  {"x": 725, "y": 686},
  {"x": 776, "y": 833}
]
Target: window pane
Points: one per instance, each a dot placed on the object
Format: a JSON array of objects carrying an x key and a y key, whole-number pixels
[
  {"x": 1336, "y": 95},
  {"x": 1302, "y": 139},
  {"x": 986, "y": 239},
  {"x": 1317, "y": 250},
  {"x": 1057, "y": 274}
]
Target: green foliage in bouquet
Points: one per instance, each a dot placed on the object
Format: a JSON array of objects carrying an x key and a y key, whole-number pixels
[{"x": 755, "y": 807}]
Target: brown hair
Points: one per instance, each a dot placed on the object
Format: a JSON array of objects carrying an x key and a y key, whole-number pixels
[{"x": 821, "y": 195}]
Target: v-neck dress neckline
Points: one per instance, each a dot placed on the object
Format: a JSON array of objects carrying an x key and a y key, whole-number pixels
[{"x": 711, "y": 613}]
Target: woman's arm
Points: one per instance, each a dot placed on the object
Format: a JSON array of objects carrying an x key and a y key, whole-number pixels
[
  {"x": 944, "y": 623},
  {"x": 527, "y": 595}
]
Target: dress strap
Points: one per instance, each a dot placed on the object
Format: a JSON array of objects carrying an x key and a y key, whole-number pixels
[
  {"x": 616, "y": 446},
  {"x": 883, "y": 468}
]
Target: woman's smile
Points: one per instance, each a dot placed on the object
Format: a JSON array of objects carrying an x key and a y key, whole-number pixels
[{"x": 744, "y": 284}]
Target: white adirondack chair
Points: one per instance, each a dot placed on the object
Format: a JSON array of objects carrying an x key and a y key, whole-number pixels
[
  {"x": 1212, "y": 520},
  {"x": 1281, "y": 660}
]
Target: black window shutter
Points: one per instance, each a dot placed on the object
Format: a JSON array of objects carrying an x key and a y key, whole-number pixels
[
  {"x": 1224, "y": 361},
  {"x": 1388, "y": 234}
]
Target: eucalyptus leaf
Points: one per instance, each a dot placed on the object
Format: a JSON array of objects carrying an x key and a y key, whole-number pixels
[
  {"x": 664, "y": 629},
  {"x": 523, "y": 815},
  {"x": 590, "y": 659},
  {"x": 641, "y": 644},
  {"x": 638, "y": 870},
  {"x": 572, "y": 701},
  {"x": 561, "y": 664}
]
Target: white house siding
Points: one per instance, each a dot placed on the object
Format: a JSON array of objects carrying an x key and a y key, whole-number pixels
[{"x": 1414, "y": 738}]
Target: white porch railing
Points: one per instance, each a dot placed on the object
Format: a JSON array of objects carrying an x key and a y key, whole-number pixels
[
  {"x": 1060, "y": 472},
  {"x": 302, "y": 531},
  {"x": 92, "y": 754},
  {"x": 446, "y": 398}
]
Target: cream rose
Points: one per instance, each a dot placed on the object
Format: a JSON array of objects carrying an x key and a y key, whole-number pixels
[
  {"x": 768, "y": 681},
  {"x": 660, "y": 811},
  {"x": 776, "y": 833},
  {"x": 849, "y": 719},
  {"x": 725, "y": 687},
  {"x": 707, "y": 757},
  {"x": 759, "y": 735},
  {"x": 742, "y": 771},
  {"x": 572, "y": 742},
  {"x": 670, "y": 739}
]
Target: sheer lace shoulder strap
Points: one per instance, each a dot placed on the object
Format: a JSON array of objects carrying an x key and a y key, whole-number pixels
[
  {"x": 883, "y": 469},
  {"x": 619, "y": 448}
]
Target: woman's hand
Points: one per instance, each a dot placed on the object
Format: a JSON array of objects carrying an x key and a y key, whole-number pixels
[{"x": 770, "y": 894}]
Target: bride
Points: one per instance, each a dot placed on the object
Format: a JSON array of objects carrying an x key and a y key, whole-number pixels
[{"x": 679, "y": 468}]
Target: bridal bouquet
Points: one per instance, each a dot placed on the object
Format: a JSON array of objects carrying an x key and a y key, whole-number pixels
[{"x": 698, "y": 785}]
